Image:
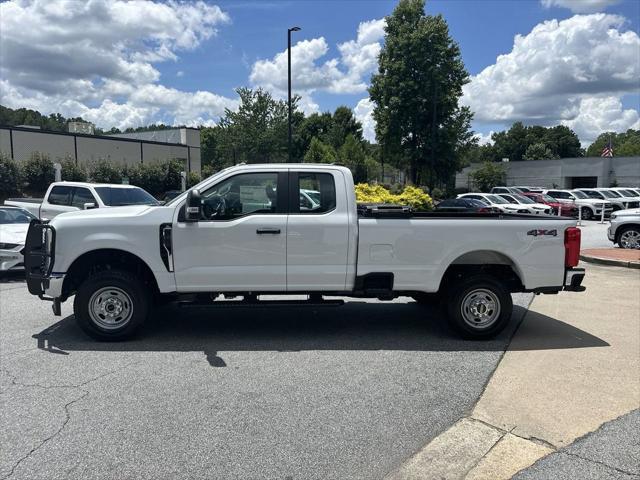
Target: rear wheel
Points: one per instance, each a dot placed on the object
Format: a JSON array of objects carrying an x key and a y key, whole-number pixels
[
  {"x": 479, "y": 307},
  {"x": 629, "y": 237},
  {"x": 111, "y": 305}
]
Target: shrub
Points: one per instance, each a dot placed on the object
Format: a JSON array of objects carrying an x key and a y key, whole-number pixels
[
  {"x": 437, "y": 193},
  {"x": 73, "y": 172},
  {"x": 9, "y": 177},
  {"x": 193, "y": 178},
  {"x": 415, "y": 197},
  {"x": 104, "y": 171},
  {"x": 172, "y": 178},
  {"x": 38, "y": 172},
  {"x": 147, "y": 176}
]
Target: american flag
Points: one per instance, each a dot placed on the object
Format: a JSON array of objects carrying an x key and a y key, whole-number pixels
[{"x": 607, "y": 151}]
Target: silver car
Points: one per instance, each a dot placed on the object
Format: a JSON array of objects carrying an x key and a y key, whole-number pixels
[{"x": 625, "y": 228}]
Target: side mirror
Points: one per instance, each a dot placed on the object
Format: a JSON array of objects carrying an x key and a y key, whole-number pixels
[
  {"x": 88, "y": 206},
  {"x": 193, "y": 207}
]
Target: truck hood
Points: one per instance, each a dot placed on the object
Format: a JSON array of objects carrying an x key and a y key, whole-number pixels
[
  {"x": 629, "y": 212},
  {"x": 13, "y": 233},
  {"x": 107, "y": 212}
]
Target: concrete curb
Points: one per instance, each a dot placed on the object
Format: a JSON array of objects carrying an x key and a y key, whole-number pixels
[{"x": 609, "y": 261}]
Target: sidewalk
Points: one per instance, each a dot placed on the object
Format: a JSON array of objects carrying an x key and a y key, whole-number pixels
[
  {"x": 540, "y": 400},
  {"x": 612, "y": 256}
]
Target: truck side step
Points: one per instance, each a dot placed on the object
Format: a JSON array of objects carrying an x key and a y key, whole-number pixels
[{"x": 262, "y": 303}]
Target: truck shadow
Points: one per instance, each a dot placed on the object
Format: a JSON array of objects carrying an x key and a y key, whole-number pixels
[{"x": 354, "y": 326}]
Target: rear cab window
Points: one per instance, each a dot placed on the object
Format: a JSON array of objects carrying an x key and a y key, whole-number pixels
[
  {"x": 315, "y": 193},
  {"x": 81, "y": 196}
]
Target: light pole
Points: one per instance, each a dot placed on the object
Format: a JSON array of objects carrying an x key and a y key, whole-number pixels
[{"x": 289, "y": 30}]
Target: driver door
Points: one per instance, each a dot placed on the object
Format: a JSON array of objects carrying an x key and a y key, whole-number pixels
[{"x": 239, "y": 244}]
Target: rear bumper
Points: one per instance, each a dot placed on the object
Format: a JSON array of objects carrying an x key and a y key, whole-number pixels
[{"x": 573, "y": 278}]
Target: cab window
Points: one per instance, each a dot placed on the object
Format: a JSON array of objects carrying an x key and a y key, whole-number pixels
[
  {"x": 241, "y": 195},
  {"x": 316, "y": 193}
]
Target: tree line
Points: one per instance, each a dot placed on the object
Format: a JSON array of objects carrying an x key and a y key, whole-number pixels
[{"x": 421, "y": 126}]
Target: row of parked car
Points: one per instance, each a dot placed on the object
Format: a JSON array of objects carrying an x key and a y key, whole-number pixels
[{"x": 588, "y": 202}]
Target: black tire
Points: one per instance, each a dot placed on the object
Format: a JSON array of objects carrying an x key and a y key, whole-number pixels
[
  {"x": 587, "y": 214},
  {"x": 122, "y": 290},
  {"x": 486, "y": 290},
  {"x": 622, "y": 231}
]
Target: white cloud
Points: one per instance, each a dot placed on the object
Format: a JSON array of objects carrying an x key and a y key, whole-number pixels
[
  {"x": 601, "y": 114},
  {"x": 346, "y": 74},
  {"x": 484, "y": 139},
  {"x": 580, "y": 6},
  {"x": 364, "y": 114},
  {"x": 557, "y": 71},
  {"x": 95, "y": 58}
]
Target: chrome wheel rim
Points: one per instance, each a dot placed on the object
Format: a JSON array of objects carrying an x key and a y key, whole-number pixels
[
  {"x": 630, "y": 239},
  {"x": 480, "y": 308},
  {"x": 110, "y": 308}
]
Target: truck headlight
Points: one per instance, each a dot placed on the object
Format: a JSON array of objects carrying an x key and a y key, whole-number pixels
[{"x": 613, "y": 216}]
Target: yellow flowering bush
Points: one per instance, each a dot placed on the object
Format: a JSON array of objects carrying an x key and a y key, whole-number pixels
[{"x": 412, "y": 196}]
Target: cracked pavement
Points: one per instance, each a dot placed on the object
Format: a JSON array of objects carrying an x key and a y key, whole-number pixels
[{"x": 342, "y": 392}]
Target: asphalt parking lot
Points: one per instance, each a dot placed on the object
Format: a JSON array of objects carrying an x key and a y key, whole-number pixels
[{"x": 334, "y": 392}]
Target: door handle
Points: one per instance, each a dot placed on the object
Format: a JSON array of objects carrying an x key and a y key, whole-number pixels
[{"x": 268, "y": 231}]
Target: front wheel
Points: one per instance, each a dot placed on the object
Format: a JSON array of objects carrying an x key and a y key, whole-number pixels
[
  {"x": 111, "y": 305},
  {"x": 479, "y": 307},
  {"x": 629, "y": 237},
  {"x": 587, "y": 214}
]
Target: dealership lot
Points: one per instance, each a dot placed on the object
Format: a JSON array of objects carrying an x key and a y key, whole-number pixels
[{"x": 343, "y": 392}]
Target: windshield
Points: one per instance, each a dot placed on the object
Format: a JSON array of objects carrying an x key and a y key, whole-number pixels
[
  {"x": 14, "y": 215},
  {"x": 548, "y": 198},
  {"x": 578, "y": 194},
  {"x": 497, "y": 199},
  {"x": 609, "y": 194},
  {"x": 118, "y": 196},
  {"x": 523, "y": 199},
  {"x": 627, "y": 193}
]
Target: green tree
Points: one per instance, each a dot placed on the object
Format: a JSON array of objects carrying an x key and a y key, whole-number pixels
[
  {"x": 538, "y": 151},
  {"x": 352, "y": 156},
  {"x": 343, "y": 124},
  {"x": 38, "y": 172},
  {"x": 319, "y": 152},
  {"x": 9, "y": 177},
  {"x": 561, "y": 141},
  {"x": 416, "y": 91},
  {"x": 489, "y": 175},
  {"x": 626, "y": 144}
]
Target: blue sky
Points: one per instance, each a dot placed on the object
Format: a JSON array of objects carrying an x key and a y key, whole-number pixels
[{"x": 154, "y": 62}]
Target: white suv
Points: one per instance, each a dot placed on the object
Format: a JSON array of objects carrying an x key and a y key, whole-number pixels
[
  {"x": 589, "y": 207},
  {"x": 625, "y": 228}
]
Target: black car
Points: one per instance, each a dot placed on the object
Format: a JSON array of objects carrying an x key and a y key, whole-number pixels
[{"x": 466, "y": 205}]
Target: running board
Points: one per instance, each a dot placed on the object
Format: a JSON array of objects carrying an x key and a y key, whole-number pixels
[{"x": 262, "y": 303}]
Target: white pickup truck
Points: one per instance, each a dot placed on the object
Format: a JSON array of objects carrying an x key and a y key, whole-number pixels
[
  {"x": 62, "y": 197},
  {"x": 246, "y": 231}
]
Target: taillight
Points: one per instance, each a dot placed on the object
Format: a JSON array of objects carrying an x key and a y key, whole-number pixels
[
  {"x": 572, "y": 246},
  {"x": 483, "y": 210}
]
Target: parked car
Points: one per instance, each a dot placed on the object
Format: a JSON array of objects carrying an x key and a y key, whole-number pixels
[
  {"x": 628, "y": 195},
  {"x": 589, "y": 207},
  {"x": 170, "y": 195},
  {"x": 602, "y": 194},
  {"x": 506, "y": 190},
  {"x": 466, "y": 205},
  {"x": 566, "y": 209},
  {"x": 62, "y": 197},
  {"x": 521, "y": 200},
  {"x": 14, "y": 223},
  {"x": 180, "y": 249},
  {"x": 625, "y": 228},
  {"x": 496, "y": 202}
]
